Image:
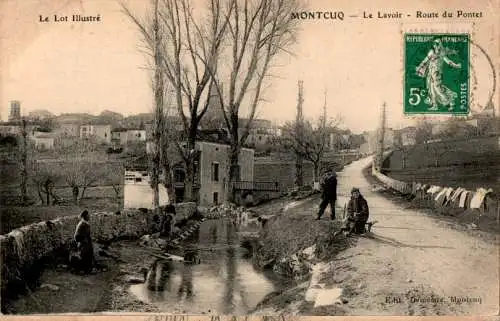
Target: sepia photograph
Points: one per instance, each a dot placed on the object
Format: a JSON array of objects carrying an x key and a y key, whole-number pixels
[{"x": 267, "y": 160}]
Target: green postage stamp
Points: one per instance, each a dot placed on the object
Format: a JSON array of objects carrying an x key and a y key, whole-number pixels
[{"x": 436, "y": 74}]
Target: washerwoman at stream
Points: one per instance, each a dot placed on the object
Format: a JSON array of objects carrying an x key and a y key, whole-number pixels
[{"x": 84, "y": 242}]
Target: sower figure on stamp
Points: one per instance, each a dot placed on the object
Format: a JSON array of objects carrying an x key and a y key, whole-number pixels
[
  {"x": 84, "y": 241},
  {"x": 432, "y": 69},
  {"x": 328, "y": 185},
  {"x": 357, "y": 213}
]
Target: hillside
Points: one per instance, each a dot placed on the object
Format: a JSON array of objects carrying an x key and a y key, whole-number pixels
[{"x": 469, "y": 163}]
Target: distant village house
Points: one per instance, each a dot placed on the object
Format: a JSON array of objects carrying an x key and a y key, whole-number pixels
[{"x": 101, "y": 132}]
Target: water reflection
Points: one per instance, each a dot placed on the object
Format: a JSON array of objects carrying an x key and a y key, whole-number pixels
[
  {"x": 223, "y": 282},
  {"x": 231, "y": 270},
  {"x": 191, "y": 255},
  {"x": 157, "y": 277}
]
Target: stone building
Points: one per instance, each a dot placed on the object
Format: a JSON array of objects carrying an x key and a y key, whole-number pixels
[
  {"x": 101, "y": 132},
  {"x": 211, "y": 170}
]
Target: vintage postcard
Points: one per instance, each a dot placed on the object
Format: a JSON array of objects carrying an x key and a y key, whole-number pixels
[{"x": 270, "y": 159}]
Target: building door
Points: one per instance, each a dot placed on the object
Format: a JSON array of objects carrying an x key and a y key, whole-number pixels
[
  {"x": 216, "y": 198},
  {"x": 179, "y": 195}
]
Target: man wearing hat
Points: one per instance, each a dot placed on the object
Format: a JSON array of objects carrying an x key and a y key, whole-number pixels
[
  {"x": 357, "y": 212},
  {"x": 328, "y": 193}
]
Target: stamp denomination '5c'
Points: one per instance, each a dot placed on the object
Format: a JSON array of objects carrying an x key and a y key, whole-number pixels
[{"x": 436, "y": 79}]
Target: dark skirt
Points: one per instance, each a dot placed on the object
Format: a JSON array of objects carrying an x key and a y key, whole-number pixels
[{"x": 86, "y": 257}]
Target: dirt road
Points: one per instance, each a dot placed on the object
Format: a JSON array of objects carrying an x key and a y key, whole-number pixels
[{"x": 412, "y": 264}]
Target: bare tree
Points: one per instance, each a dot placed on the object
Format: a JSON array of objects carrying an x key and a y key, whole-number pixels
[
  {"x": 186, "y": 53},
  {"x": 437, "y": 150},
  {"x": 79, "y": 166},
  {"x": 258, "y": 31},
  {"x": 115, "y": 178},
  {"x": 299, "y": 124},
  {"x": 168, "y": 138},
  {"x": 313, "y": 142},
  {"x": 457, "y": 128},
  {"x": 153, "y": 38},
  {"x": 44, "y": 179},
  {"x": 313, "y": 139},
  {"x": 424, "y": 131}
]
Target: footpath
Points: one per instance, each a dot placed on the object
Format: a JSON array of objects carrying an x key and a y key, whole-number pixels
[{"x": 411, "y": 263}]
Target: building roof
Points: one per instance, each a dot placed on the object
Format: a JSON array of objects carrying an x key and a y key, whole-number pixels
[
  {"x": 18, "y": 123},
  {"x": 119, "y": 130},
  {"x": 97, "y": 125},
  {"x": 218, "y": 136},
  {"x": 44, "y": 136}
]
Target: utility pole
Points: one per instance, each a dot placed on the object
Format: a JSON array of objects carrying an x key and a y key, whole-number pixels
[
  {"x": 299, "y": 126},
  {"x": 324, "y": 111},
  {"x": 24, "y": 163},
  {"x": 381, "y": 136}
]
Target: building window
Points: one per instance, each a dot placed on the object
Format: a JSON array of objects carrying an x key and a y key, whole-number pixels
[
  {"x": 216, "y": 198},
  {"x": 179, "y": 176},
  {"x": 215, "y": 172}
]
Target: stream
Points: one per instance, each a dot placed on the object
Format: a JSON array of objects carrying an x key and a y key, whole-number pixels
[{"x": 223, "y": 281}]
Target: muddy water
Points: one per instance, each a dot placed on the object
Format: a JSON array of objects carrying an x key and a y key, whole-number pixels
[{"x": 223, "y": 281}]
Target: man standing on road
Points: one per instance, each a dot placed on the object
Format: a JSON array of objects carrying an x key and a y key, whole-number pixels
[
  {"x": 328, "y": 193},
  {"x": 357, "y": 212}
]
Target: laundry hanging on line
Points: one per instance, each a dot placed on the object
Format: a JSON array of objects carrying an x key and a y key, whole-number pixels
[{"x": 478, "y": 198}]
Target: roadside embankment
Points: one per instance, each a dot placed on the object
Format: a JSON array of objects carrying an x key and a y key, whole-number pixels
[
  {"x": 296, "y": 246},
  {"x": 475, "y": 209}
]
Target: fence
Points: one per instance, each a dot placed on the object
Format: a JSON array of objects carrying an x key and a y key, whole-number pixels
[{"x": 256, "y": 186}]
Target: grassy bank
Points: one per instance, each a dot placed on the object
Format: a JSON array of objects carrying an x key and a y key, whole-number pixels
[
  {"x": 469, "y": 163},
  {"x": 458, "y": 218},
  {"x": 12, "y": 217},
  {"x": 292, "y": 230},
  {"x": 286, "y": 235}
]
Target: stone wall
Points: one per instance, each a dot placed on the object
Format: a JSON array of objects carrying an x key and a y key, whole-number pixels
[
  {"x": 24, "y": 247},
  {"x": 282, "y": 172}
]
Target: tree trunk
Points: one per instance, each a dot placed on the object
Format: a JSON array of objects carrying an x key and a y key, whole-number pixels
[
  {"x": 76, "y": 191},
  {"x": 299, "y": 170},
  {"x": 83, "y": 192},
  {"x": 234, "y": 173},
  {"x": 39, "y": 191},
  {"x": 189, "y": 162},
  {"x": 189, "y": 182},
  {"x": 116, "y": 188},
  {"x": 24, "y": 163},
  {"x": 156, "y": 193},
  {"x": 168, "y": 181},
  {"x": 404, "y": 162},
  {"x": 155, "y": 172},
  {"x": 316, "y": 171}
]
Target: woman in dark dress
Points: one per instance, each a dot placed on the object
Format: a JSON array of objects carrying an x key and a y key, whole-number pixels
[{"x": 84, "y": 241}]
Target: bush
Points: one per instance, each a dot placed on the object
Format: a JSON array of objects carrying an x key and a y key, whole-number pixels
[{"x": 287, "y": 235}]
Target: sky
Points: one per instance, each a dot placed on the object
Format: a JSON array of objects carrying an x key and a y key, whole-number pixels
[{"x": 89, "y": 67}]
